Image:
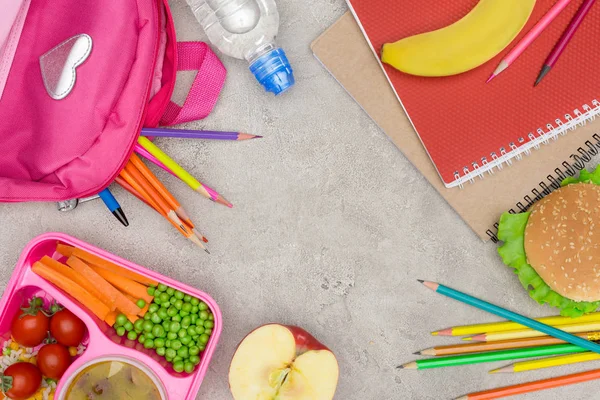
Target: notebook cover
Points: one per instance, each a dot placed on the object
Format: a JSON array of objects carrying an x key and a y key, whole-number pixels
[
  {"x": 343, "y": 50},
  {"x": 465, "y": 123}
]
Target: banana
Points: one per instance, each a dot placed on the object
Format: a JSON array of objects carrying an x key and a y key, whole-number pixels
[{"x": 468, "y": 43}]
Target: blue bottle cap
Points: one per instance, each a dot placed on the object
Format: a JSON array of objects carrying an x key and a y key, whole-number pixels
[{"x": 273, "y": 71}]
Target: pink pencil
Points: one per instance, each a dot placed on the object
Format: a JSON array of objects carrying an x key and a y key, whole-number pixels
[{"x": 530, "y": 37}]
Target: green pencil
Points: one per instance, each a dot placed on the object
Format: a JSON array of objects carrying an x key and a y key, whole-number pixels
[{"x": 491, "y": 356}]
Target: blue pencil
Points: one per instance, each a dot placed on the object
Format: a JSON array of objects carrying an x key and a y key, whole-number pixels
[
  {"x": 113, "y": 205},
  {"x": 520, "y": 319}
]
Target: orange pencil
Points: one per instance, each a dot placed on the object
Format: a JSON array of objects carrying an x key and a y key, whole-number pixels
[
  {"x": 534, "y": 386},
  {"x": 153, "y": 193},
  {"x": 160, "y": 188}
]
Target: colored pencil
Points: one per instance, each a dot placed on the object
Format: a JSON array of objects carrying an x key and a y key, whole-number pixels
[
  {"x": 547, "y": 363},
  {"x": 529, "y": 333},
  {"x": 534, "y": 386},
  {"x": 476, "y": 347},
  {"x": 492, "y": 356},
  {"x": 128, "y": 183},
  {"x": 160, "y": 188},
  {"x": 144, "y": 153},
  {"x": 562, "y": 44},
  {"x": 195, "y": 134},
  {"x": 182, "y": 173},
  {"x": 511, "y": 326},
  {"x": 113, "y": 206},
  {"x": 504, "y": 313},
  {"x": 530, "y": 37}
]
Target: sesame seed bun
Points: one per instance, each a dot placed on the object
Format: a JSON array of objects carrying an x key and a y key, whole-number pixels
[{"x": 561, "y": 241}]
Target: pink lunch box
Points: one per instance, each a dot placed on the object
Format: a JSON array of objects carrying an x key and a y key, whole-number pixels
[{"x": 101, "y": 340}]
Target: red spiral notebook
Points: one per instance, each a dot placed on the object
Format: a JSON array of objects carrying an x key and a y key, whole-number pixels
[{"x": 469, "y": 127}]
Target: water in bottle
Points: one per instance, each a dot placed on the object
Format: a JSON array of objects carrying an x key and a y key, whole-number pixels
[{"x": 246, "y": 29}]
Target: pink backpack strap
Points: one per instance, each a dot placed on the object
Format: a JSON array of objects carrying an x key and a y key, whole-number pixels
[{"x": 203, "y": 95}]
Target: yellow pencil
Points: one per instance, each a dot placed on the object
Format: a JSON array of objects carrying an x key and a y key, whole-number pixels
[
  {"x": 182, "y": 173},
  {"x": 511, "y": 326},
  {"x": 547, "y": 363},
  {"x": 529, "y": 333}
]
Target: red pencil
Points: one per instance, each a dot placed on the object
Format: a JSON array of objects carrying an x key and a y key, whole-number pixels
[{"x": 565, "y": 39}]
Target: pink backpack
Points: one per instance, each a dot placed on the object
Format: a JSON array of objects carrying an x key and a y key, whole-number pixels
[{"x": 78, "y": 81}]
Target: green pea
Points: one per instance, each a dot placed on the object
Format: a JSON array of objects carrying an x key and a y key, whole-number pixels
[
  {"x": 211, "y": 317},
  {"x": 131, "y": 335},
  {"x": 159, "y": 342},
  {"x": 209, "y": 324},
  {"x": 191, "y": 330},
  {"x": 202, "y": 306},
  {"x": 193, "y": 319},
  {"x": 153, "y": 308},
  {"x": 150, "y": 291},
  {"x": 175, "y": 344},
  {"x": 194, "y": 301},
  {"x": 138, "y": 325},
  {"x": 178, "y": 365},
  {"x": 186, "y": 340},
  {"x": 158, "y": 331},
  {"x": 208, "y": 331},
  {"x": 194, "y": 351},
  {"x": 176, "y": 318},
  {"x": 187, "y": 307},
  {"x": 149, "y": 344},
  {"x": 203, "y": 338},
  {"x": 162, "y": 313},
  {"x": 188, "y": 367},
  {"x": 120, "y": 331},
  {"x": 141, "y": 339},
  {"x": 156, "y": 319},
  {"x": 161, "y": 287},
  {"x": 172, "y": 336},
  {"x": 194, "y": 310},
  {"x": 178, "y": 304},
  {"x": 184, "y": 313},
  {"x": 147, "y": 317},
  {"x": 203, "y": 315},
  {"x": 186, "y": 321},
  {"x": 166, "y": 325},
  {"x": 194, "y": 360},
  {"x": 175, "y": 327},
  {"x": 167, "y": 343},
  {"x": 141, "y": 303},
  {"x": 157, "y": 301},
  {"x": 149, "y": 335},
  {"x": 187, "y": 298},
  {"x": 200, "y": 329},
  {"x": 164, "y": 298},
  {"x": 183, "y": 352},
  {"x": 121, "y": 320},
  {"x": 179, "y": 294},
  {"x": 181, "y": 333},
  {"x": 170, "y": 291},
  {"x": 201, "y": 346},
  {"x": 148, "y": 325},
  {"x": 172, "y": 299},
  {"x": 171, "y": 311},
  {"x": 161, "y": 351},
  {"x": 128, "y": 326},
  {"x": 169, "y": 359},
  {"x": 170, "y": 353}
]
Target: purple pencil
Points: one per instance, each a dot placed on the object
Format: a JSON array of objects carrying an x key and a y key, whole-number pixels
[
  {"x": 194, "y": 134},
  {"x": 565, "y": 39}
]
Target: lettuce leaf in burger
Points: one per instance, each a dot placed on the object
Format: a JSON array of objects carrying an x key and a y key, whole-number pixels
[{"x": 555, "y": 247}]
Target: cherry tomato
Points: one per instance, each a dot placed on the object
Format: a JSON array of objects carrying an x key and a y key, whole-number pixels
[
  {"x": 25, "y": 379},
  {"x": 30, "y": 327},
  {"x": 66, "y": 328},
  {"x": 53, "y": 360}
]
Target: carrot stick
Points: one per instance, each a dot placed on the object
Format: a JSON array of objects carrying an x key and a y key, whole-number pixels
[
  {"x": 105, "y": 264},
  {"x": 80, "y": 294},
  {"x": 64, "y": 249},
  {"x": 111, "y": 318},
  {"x": 79, "y": 279},
  {"x": 127, "y": 286},
  {"x": 144, "y": 309},
  {"x": 122, "y": 303}
]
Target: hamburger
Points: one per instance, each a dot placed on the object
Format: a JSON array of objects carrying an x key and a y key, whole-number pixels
[{"x": 554, "y": 247}]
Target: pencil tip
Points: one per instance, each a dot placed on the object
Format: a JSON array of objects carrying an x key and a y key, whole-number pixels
[
  {"x": 417, "y": 353},
  {"x": 467, "y": 339},
  {"x": 206, "y": 250},
  {"x": 436, "y": 333},
  {"x": 490, "y": 78},
  {"x": 121, "y": 216},
  {"x": 543, "y": 73},
  {"x": 221, "y": 200},
  {"x": 400, "y": 367}
]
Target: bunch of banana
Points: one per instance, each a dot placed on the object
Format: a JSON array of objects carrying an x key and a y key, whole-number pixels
[{"x": 477, "y": 38}]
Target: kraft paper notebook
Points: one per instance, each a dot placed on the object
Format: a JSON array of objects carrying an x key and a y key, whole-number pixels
[
  {"x": 468, "y": 126},
  {"x": 343, "y": 50}
]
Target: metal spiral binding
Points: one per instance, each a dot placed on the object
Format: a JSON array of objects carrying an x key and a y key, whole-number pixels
[
  {"x": 524, "y": 145},
  {"x": 576, "y": 162}
]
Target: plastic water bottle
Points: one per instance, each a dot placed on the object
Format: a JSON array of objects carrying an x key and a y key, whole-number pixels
[{"x": 246, "y": 29}]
